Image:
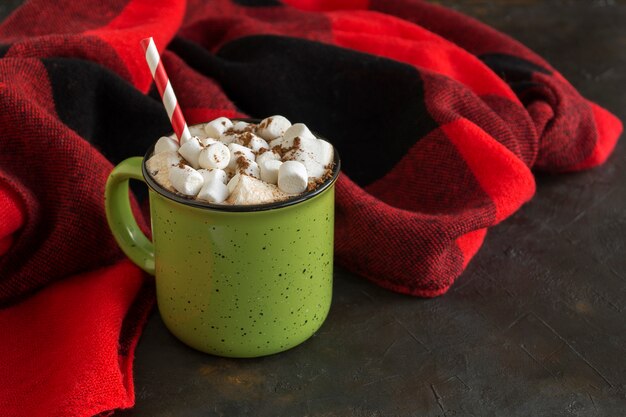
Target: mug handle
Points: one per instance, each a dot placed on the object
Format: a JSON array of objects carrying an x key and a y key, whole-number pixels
[{"x": 120, "y": 217}]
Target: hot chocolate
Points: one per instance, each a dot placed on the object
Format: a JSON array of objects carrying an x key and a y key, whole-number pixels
[{"x": 241, "y": 163}]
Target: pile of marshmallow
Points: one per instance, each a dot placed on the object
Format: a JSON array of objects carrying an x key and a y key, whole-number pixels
[{"x": 242, "y": 163}]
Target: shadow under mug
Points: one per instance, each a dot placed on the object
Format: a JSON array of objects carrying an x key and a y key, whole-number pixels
[{"x": 234, "y": 281}]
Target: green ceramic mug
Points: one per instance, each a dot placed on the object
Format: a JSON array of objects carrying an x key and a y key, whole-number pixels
[{"x": 236, "y": 281}]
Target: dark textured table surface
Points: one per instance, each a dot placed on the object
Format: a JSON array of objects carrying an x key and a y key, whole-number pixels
[{"x": 535, "y": 326}]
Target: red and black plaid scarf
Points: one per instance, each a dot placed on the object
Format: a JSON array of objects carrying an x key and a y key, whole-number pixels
[{"x": 439, "y": 119}]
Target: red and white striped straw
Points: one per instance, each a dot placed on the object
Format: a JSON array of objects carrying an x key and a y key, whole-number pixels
[{"x": 162, "y": 82}]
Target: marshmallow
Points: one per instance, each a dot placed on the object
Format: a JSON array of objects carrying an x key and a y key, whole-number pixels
[
  {"x": 251, "y": 141},
  {"x": 197, "y": 130},
  {"x": 326, "y": 153},
  {"x": 313, "y": 168},
  {"x": 292, "y": 177},
  {"x": 250, "y": 168},
  {"x": 269, "y": 170},
  {"x": 159, "y": 167},
  {"x": 240, "y": 126},
  {"x": 207, "y": 142},
  {"x": 215, "y": 128},
  {"x": 249, "y": 190},
  {"x": 273, "y": 127},
  {"x": 256, "y": 144},
  {"x": 216, "y": 156},
  {"x": 303, "y": 142},
  {"x": 233, "y": 182},
  {"x": 228, "y": 138},
  {"x": 266, "y": 156},
  {"x": 236, "y": 151},
  {"x": 213, "y": 174},
  {"x": 162, "y": 161},
  {"x": 247, "y": 152},
  {"x": 315, "y": 156},
  {"x": 276, "y": 142},
  {"x": 186, "y": 180},
  {"x": 299, "y": 130},
  {"x": 191, "y": 151},
  {"x": 166, "y": 144},
  {"x": 214, "y": 191}
]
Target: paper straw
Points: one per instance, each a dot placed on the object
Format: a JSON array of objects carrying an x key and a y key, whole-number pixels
[{"x": 164, "y": 86}]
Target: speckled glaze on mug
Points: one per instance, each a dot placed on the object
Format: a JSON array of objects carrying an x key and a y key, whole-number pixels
[{"x": 235, "y": 281}]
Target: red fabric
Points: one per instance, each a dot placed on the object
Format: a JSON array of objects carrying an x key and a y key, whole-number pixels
[
  {"x": 11, "y": 217},
  {"x": 483, "y": 110},
  {"x": 395, "y": 38},
  {"x": 68, "y": 353},
  {"x": 609, "y": 129}
]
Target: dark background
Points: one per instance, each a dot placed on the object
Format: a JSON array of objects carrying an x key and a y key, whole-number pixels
[{"x": 534, "y": 327}]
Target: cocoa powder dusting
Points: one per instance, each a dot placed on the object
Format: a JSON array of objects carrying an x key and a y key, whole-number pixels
[
  {"x": 313, "y": 184},
  {"x": 242, "y": 162},
  {"x": 248, "y": 129},
  {"x": 265, "y": 123},
  {"x": 245, "y": 138},
  {"x": 278, "y": 150},
  {"x": 282, "y": 151}
]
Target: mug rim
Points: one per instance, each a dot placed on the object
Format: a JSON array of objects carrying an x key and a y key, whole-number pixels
[{"x": 248, "y": 207}]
